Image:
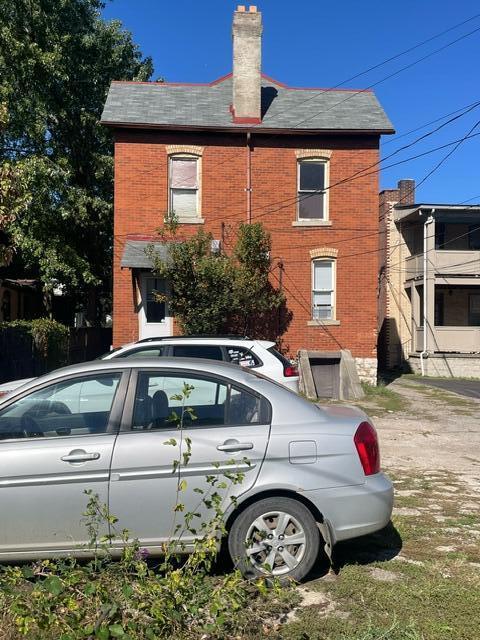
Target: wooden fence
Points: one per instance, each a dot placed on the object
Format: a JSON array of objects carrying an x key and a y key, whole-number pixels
[{"x": 20, "y": 359}]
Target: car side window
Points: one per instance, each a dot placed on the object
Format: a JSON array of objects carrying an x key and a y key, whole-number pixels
[
  {"x": 142, "y": 352},
  {"x": 208, "y": 351},
  {"x": 72, "y": 407},
  {"x": 244, "y": 407},
  {"x": 242, "y": 356},
  {"x": 158, "y": 404}
]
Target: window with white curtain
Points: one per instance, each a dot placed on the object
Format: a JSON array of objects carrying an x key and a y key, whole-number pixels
[
  {"x": 323, "y": 289},
  {"x": 183, "y": 186}
]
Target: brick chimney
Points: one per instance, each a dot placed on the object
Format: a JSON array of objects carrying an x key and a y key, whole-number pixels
[
  {"x": 406, "y": 191},
  {"x": 247, "y": 65}
]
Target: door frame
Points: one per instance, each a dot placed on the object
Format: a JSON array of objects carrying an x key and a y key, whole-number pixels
[{"x": 151, "y": 329}]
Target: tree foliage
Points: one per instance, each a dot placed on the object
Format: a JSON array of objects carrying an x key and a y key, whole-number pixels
[
  {"x": 210, "y": 292},
  {"x": 57, "y": 59}
]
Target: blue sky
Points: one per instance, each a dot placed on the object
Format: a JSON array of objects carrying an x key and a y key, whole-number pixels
[{"x": 319, "y": 44}]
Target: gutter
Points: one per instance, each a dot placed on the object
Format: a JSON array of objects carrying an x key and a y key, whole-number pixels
[
  {"x": 249, "y": 178},
  {"x": 241, "y": 129}
]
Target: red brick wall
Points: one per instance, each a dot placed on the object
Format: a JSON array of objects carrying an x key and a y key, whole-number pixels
[{"x": 141, "y": 201}]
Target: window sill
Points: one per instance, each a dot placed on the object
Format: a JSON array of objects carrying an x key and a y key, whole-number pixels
[
  {"x": 190, "y": 220},
  {"x": 323, "y": 323},
  {"x": 312, "y": 223}
]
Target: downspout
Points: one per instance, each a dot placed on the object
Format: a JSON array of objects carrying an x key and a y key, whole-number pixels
[
  {"x": 249, "y": 179},
  {"x": 424, "y": 353}
]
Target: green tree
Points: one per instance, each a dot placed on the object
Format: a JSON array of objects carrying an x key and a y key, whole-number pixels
[
  {"x": 210, "y": 292},
  {"x": 57, "y": 59}
]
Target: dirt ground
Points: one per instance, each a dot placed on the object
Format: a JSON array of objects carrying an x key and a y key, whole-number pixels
[{"x": 434, "y": 430}]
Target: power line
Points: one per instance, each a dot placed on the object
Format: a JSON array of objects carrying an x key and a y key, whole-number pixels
[
  {"x": 391, "y": 75},
  {"x": 353, "y": 94},
  {"x": 384, "y": 62},
  {"x": 395, "y": 138},
  {"x": 293, "y": 199}
]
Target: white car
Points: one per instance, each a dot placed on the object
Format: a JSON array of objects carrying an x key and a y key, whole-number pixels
[{"x": 259, "y": 355}]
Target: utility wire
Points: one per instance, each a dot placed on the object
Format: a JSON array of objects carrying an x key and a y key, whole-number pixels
[
  {"x": 354, "y": 93},
  {"x": 361, "y": 174},
  {"x": 391, "y": 75},
  {"x": 391, "y": 59}
]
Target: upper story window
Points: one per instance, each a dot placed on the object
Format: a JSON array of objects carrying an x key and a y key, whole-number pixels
[
  {"x": 312, "y": 189},
  {"x": 323, "y": 289},
  {"x": 184, "y": 186}
]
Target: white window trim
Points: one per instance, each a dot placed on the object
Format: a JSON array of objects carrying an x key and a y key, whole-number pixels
[
  {"x": 324, "y": 221},
  {"x": 197, "y": 219},
  {"x": 333, "y": 319}
]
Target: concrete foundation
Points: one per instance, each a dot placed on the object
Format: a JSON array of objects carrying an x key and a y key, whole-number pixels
[
  {"x": 447, "y": 365},
  {"x": 367, "y": 369}
]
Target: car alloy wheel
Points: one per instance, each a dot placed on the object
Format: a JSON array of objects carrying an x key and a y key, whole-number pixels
[
  {"x": 275, "y": 536},
  {"x": 275, "y": 543}
]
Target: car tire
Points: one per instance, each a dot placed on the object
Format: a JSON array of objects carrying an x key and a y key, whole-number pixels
[{"x": 255, "y": 540}]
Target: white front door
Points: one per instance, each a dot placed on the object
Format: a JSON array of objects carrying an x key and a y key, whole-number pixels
[{"x": 153, "y": 316}]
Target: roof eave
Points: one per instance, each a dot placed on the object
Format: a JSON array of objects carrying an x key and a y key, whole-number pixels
[{"x": 242, "y": 129}]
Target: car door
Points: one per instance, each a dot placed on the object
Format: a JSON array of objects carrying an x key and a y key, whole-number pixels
[
  {"x": 56, "y": 442},
  {"x": 229, "y": 423}
]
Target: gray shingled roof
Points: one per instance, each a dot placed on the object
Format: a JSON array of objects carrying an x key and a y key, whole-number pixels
[
  {"x": 208, "y": 106},
  {"x": 135, "y": 254}
]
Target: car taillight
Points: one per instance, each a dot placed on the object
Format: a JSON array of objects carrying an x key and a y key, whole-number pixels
[
  {"x": 366, "y": 443},
  {"x": 3, "y": 393},
  {"x": 290, "y": 371}
]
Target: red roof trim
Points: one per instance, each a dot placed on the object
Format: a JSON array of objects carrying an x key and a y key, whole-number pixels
[{"x": 229, "y": 75}]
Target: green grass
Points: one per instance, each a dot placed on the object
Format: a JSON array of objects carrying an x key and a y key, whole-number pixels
[
  {"x": 382, "y": 399},
  {"x": 433, "y": 595}
]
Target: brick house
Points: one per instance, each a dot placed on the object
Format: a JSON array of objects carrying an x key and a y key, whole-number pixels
[{"x": 248, "y": 148}]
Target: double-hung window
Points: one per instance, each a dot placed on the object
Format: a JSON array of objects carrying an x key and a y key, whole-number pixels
[
  {"x": 183, "y": 186},
  {"x": 312, "y": 193},
  {"x": 323, "y": 289}
]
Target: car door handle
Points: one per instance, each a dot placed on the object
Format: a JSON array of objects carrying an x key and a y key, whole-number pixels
[
  {"x": 80, "y": 456},
  {"x": 234, "y": 445}
]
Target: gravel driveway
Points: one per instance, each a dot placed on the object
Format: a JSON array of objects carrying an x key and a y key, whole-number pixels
[{"x": 436, "y": 430}]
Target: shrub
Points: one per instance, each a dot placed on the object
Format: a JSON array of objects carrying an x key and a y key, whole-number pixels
[{"x": 49, "y": 340}]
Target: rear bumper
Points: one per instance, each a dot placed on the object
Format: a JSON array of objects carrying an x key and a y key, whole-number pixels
[{"x": 356, "y": 510}]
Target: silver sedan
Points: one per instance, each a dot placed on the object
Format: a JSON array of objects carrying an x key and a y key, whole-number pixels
[{"x": 311, "y": 475}]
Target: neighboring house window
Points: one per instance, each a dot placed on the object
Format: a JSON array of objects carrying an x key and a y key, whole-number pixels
[
  {"x": 323, "y": 289},
  {"x": 183, "y": 185},
  {"x": 474, "y": 237},
  {"x": 439, "y": 235},
  {"x": 312, "y": 185},
  {"x": 474, "y": 309}
]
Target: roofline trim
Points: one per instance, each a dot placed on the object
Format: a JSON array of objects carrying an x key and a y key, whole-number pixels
[
  {"x": 229, "y": 75},
  {"x": 239, "y": 129},
  {"x": 430, "y": 205}
]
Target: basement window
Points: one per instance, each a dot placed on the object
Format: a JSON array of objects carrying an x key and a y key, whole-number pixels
[
  {"x": 183, "y": 187},
  {"x": 312, "y": 189}
]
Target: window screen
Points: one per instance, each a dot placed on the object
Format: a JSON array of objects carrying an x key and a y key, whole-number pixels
[{"x": 322, "y": 294}]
